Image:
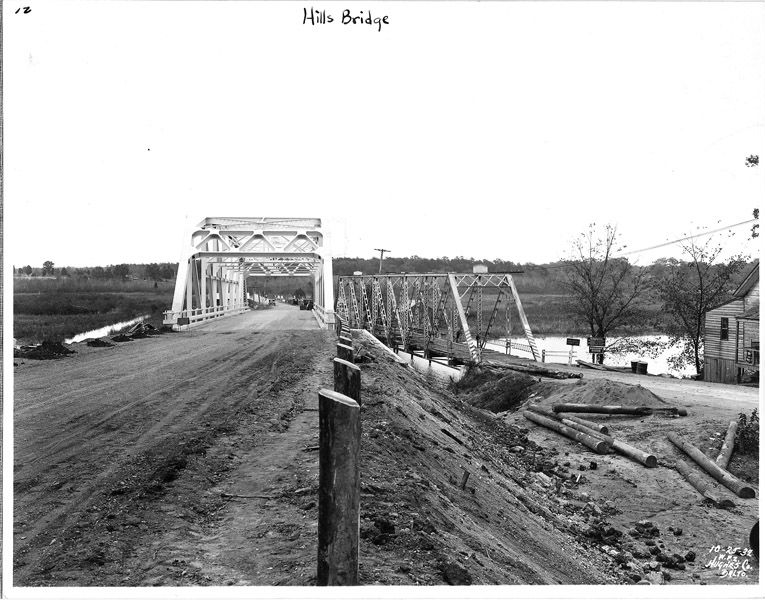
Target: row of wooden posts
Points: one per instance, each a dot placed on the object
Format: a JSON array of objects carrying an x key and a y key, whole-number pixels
[
  {"x": 595, "y": 437},
  {"x": 339, "y": 475}
]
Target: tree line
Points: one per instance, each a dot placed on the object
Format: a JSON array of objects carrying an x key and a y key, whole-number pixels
[{"x": 151, "y": 271}]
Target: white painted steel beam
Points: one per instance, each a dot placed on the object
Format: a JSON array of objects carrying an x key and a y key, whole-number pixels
[{"x": 224, "y": 251}]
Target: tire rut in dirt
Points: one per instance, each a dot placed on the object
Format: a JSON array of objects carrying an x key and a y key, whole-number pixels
[{"x": 70, "y": 540}]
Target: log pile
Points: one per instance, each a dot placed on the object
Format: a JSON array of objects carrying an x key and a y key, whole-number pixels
[
  {"x": 734, "y": 484},
  {"x": 644, "y": 458}
]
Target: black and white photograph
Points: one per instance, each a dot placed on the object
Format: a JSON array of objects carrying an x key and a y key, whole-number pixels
[{"x": 423, "y": 299}]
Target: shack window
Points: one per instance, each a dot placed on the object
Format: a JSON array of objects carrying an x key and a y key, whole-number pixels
[{"x": 724, "y": 328}]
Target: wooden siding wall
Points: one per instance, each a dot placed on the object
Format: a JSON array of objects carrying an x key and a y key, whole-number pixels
[
  {"x": 719, "y": 370},
  {"x": 714, "y": 347},
  {"x": 750, "y": 332}
]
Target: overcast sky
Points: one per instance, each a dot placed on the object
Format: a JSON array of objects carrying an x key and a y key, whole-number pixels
[{"x": 493, "y": 130}]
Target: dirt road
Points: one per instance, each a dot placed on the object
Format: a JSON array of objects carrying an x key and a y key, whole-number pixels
[
  {"x": 191, "y": 459},
  {"x": 685, "y": 392},
  {"x": 118, "y": 451}
]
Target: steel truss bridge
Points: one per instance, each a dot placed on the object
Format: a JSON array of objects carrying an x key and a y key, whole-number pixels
[
  {"x": 223, "y": 251},
  {"x": 450, "y": 315}
]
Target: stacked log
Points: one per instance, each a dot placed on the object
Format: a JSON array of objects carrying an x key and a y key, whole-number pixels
[
  {"x": 699, "y": 484},
  {"x": 606, "y": 410},
  {"x": 727, "y": 448},
  {"x": 592, "y": 442},
  {"x": 644, "y": 458},
  {"x": 734, "y": 484}
]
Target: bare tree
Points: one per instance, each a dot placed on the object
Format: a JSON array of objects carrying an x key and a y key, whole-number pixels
[
  {"x": 605, "y": 289},
  {"x": 689, "y": 291}
]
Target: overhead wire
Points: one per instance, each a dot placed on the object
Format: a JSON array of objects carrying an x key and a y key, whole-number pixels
[{"x": 669, "y": 243}]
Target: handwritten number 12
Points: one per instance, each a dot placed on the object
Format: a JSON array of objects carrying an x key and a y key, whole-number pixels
[{"x": 26, "y": 10}]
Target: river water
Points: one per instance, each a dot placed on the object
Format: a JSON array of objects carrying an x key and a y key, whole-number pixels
[
  {"x": 103, "y": 331},
  {"x": 656, "y": 365}
]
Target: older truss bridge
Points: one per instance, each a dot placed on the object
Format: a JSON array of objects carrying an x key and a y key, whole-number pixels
[{"x": 450, "y": 315}]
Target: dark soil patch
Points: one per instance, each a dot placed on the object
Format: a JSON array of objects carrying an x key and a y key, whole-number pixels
[
  {"x": 496, "y": 390},
  {"x": 45, "y": 351},
  {"x": 122, "y": 338},
  {"x": 99, "y": 343}
]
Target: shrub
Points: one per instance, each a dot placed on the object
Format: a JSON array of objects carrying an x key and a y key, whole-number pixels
[{"x": 748, "y": 434}]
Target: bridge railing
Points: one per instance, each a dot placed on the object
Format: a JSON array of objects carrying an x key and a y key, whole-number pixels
[
  {"x": 187, "y": 317},
  {"x": 567, "y": 354},
  {"x": 508, "y": 345}
]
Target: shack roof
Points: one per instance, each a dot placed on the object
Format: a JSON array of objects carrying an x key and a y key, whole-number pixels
[
  {"x": 752, "y": 278},
  {"x": 753, "y": 314}
]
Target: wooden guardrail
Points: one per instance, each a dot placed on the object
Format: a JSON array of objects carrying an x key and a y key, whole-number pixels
[
  {"x": 339, "y": 474},
  {"x": 569, "y": 354}
]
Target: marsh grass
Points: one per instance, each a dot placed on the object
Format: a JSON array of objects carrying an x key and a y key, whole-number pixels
[{"x": 56, "y": 309}]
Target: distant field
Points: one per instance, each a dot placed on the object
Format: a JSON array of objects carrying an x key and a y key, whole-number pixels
[
  {"x": 550, "y": 314},
  {"x": 55, "y": 309}
]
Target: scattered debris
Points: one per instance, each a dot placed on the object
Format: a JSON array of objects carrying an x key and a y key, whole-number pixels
[{"x": 45, "y": 351}]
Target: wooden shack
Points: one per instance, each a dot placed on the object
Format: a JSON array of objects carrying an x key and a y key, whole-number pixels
[{"x": 732, "y": 334}]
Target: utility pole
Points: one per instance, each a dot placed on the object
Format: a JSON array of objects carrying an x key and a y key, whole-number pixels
[{"x": 382, "y": 251}]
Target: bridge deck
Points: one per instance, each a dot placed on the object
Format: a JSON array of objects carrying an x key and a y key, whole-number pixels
[{"x": 276, "y": 318}]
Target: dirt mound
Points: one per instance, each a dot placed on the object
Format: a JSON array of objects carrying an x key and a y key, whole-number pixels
[
  {"x": 99, "y": 343},
  {"x": 122, "y": 338},
  {"x": 603, "y": 392},
  {"x": 420, "y": 525},
  {"x": 45, "y": 351},
  {"x": 496, "y": 390}
]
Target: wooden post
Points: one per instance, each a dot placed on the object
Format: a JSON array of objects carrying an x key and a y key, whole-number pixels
[
  {"x": 339, "y": 489},
  {"x": 588, "y": 430},
  {"x": 345, "y": 352},
  {"x": 646, "y": 459},
  {"x": 543, "y": 355},
  {"x": 338, "y": 324},
  {"x": 598, "y": 445},
  {"x": 732, "y": 483},
  {"x": 727, "y": 448},
  {"x": 649, "y": 460},
  {"x": 348, "y": 379},
  {"x": 578, "y": 424},
  {"x": 591, "y": 424},
  {"x": 672, "y": 410},
  {"x": 608, "y": 410},
  {"x": 698, "y": 482}
]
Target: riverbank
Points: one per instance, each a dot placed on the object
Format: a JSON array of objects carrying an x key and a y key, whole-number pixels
[{"x": 57, "y": 309}]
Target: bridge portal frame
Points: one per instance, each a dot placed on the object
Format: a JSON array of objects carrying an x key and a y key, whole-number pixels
[{"x": 212, "y": 274}]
